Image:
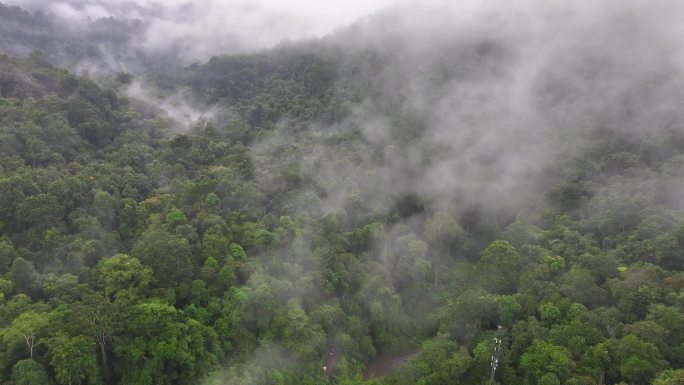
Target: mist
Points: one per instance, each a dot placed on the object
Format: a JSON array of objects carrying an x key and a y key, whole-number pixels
[
  {"x": 297, "y": 178},
  {"x": 462, "y": 103},
  {"x": 197, "y": 30},
  {"x": 474, "y": 103}
]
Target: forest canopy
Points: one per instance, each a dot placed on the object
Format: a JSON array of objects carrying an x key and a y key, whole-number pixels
[{"x": 252, "y": 218}]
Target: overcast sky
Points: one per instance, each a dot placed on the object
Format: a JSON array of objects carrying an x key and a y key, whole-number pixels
[{"x": 201, "y": 26}]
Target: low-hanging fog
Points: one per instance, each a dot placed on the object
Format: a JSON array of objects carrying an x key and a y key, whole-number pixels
[
  {"x": 461, "y": 103},
  {"x": 303, "y": 176},
  {"x": 473, "y": 103},
  {"x": 197, "y": 30}
]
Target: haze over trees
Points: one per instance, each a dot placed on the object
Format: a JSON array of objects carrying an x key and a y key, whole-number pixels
[{"x": 426, "y": 180}]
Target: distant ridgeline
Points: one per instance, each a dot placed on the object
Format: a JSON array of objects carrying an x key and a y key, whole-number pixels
[{"x": 338, "y": 202}]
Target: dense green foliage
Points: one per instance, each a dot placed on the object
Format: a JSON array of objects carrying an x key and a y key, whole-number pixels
[{"x": 134, "y": 251}]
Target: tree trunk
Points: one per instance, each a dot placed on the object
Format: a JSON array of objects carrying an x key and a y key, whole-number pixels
[
  {"x": 29, "y": 341},
  {"x": 105, "y": 366}
]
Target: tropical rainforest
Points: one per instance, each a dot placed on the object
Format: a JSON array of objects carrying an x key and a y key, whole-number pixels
[{"x": 497, "y": 197}]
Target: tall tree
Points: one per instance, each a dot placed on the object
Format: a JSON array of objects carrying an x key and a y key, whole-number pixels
[{"x": 30, "y": 328}]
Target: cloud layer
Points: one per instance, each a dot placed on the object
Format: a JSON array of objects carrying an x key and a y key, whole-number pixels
[
  {"x": 475, "y": 102},
  {"x": 202, "y": 28}
]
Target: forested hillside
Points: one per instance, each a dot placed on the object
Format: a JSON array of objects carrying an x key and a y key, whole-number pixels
[{"x": 333, "y": 202}]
